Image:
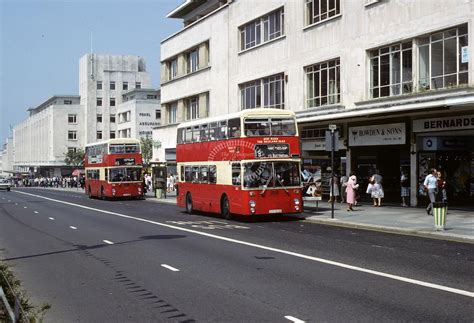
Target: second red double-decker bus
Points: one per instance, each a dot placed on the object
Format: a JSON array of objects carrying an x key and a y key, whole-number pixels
[
  {"x": 246, "y": 163},
  {"x": 114, "y": 169}
]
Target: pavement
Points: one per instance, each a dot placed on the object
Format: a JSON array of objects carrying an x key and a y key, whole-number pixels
[{"x": 412, "y": 221}]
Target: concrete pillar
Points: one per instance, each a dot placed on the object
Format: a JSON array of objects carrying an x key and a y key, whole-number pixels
[
  {"x": 181, "y": 113},
  {"x": 203, "y": 108},
  {"x": 413, "y": 178},
  {"x": 203, "y": 55}
]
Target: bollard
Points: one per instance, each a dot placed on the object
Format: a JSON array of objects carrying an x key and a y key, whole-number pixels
[{"x": 439, "y": 214}]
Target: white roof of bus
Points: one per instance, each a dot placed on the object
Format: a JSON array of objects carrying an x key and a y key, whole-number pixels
[
  {"x": 116, "y": 141},
  {"x": 260, "y": 112}
]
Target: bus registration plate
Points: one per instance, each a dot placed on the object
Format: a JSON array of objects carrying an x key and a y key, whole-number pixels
[{"x": 275, "y": 211}]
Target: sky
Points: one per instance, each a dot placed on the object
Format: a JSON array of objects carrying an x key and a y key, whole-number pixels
[{"x": 41, "y": 42}]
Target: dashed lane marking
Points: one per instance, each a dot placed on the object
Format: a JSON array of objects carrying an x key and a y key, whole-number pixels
[
  {"x": 36, "y": 212},
  {"x": 281, "y": 251},
  {"x": 52, "y": 219},
  {"x": 169, "y": 267},
  {"x": 108, "y": 242},
  {"x": 72, "y": 227},
  {"x": 293, "y": 319}
]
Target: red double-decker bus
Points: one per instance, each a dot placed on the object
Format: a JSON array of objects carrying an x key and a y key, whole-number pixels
[
  {"x": 246, "y": 163},
  {"x": 114, "y": 169}
]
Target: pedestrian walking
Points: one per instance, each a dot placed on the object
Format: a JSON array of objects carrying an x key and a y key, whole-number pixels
[
  {"x": 441, "y": 183},
  {"x": 377, "y": 189},
  {"x": 351, "y": 190},
  {"x": 431, "y": 185},
  {"x": 404, "y": 188},
  {"x": 343, "y": 182},
  {"x": 333, "y": 189}
]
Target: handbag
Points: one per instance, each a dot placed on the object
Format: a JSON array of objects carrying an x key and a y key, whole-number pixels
[{"x": 422, "y": 190}]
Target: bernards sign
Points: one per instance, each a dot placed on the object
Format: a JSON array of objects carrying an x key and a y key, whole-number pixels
[{"x": 443, "y": 124}]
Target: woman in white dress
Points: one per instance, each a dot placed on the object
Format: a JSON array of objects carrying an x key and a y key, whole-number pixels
[{"x": 377, "y": 189}]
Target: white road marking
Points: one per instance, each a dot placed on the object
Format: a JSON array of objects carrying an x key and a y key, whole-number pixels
[
  {"x": 169, "y": 267},
  {"x": 25, "y": 207},
  {"x": 74, "y": 228},
  {"x": 36, "y": 212},
  {"x": 52, "y": 219},
  {"x": 108, "y": 242},
  {"x": 9, "y": 201},
  {"x": 16, "y": 203},
  {"x": 294, "y": 319},
  {"x": 286, "y": 252}
]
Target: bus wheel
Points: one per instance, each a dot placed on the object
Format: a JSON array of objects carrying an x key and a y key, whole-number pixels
[
  {"x": 189, "y": 203},
  {"x": 89, "y": 192},
  {"x": 225, "y": 208}
]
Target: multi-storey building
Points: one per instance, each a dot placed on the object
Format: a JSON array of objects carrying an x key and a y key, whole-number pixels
[
  {"x": 138, "y": 114},
  {"x": 6, "y": 156},
  {"x": 103, "y": 79},
  {"x": 51, "y": 130},
  {"x": 395, "y": 78}
]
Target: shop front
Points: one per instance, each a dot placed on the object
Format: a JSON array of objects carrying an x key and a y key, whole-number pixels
[
  {"x": 383, "y": 148},
  {"x": 447, "y": 144},
  {"x": 316, "y": 159}
]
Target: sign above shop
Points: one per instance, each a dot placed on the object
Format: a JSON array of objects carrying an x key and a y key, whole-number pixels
[
  {"x": 383, "y": 134},
  {"x": 443, "y": 124}
]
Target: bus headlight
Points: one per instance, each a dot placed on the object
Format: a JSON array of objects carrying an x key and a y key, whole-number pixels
[
  {"x": 113, "y": 191},
  {"x": 297, "y": 208},
  {"x": 297, "y": 201},
  {"x": 252, "y": 203},
  {"x": 252, "y": 210}
]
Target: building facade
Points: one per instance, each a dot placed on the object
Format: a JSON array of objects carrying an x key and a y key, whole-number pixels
[
  {"x": 138, "y": 114},
  {"x": 394, "y": 77},
  {"x": 103, "y": 79},
  {"x": 52, "y": 129}
]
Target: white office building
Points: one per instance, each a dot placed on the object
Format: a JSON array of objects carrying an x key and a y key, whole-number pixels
[
  {"x": 395, "y": 78},
  {"x": 103, "y": 79},
  {"x": 42, "y": 140},
  {"x": 138, "y": 114}
]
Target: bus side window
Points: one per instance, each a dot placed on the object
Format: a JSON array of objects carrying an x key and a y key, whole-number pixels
[
  {"x": 182, "y": 174},
  {"x": 189, "y": 135},
  {"x": 204, "y": 132},
  {"x": 180, "y": 138},
  {"x": 106, "y": 173},
  {"x": 223, "y": 129},
  {"x": 188, "y": 175},
  {"x": 196, "y": 134},
  {"x": 212, "y": 175},
  {"x": 204, "y": 174},
  {"x": 195, "y": 174},
  {"x": 212, "y": 130},
  {"x": 236, "y": 174},
  {"x": 234, "y": 128}
]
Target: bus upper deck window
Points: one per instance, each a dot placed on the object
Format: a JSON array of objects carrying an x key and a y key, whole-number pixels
[
  {"x": 212, "y": 130},
  {"x": 189, "y": 135},
  {"x": 234, "y": 128},
  {"x": 196, "y": 134},
  {"x": 204, "y": 133}
]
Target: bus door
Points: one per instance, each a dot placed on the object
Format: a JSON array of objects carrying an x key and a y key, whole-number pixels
[{"x": 159, "y": 176}]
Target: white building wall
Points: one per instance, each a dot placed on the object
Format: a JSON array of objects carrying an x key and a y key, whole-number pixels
[
  {"x": 349, "y": 36},
  {"x": 106, "y": 68}
]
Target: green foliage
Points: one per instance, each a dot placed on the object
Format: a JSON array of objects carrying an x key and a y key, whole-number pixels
[
  {"x": 147, "y": 150},
  {"x": 11, "y": 287},
  {"x": 74, "y": 158}
]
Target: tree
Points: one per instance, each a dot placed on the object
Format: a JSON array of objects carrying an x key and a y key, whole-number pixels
[
  {"x": 147, "y": 150},
  {"x": 74, "y": 158}
]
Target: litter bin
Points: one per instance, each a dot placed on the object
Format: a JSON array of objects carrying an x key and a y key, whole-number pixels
[
  {"x": 439, "y": 213},
  {"x": 159, "y": 193}
]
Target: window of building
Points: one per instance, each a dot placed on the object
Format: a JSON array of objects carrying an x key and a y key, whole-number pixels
[
  {"x": 262, "y": 29},
  {"x": 268, "y": 92},
  {"x": 112, "y": 118},
  {"x": 99, "y": 118},
  {"x": 320, "y": 10},
  {"x": 323, "y": 84},
  {"x": 99, "y": 134},
  {"x": 112, "y": 102},
  {"x": 112, "y": 135},
  {"x": 441, "y": 61},
  {"x": 138, "y": 85},
  {"x": 173, "y": 110},
  {"x": 72, "y": 135},
  {"x": 391, "y": 70},
  {"x": 125, "y": 86},
  {"x": 112, "y": 85},
  {"x": 99, "y": 85},
  {"x": 151, "y": 96},
  {"x": 158, "y": 114},
  {"x": 192, "y": 108},
  {"x": 99, "y": 102},
  {"x": 71, "y": 149},
  {"x": 173, "y": 68},
  {"x": 71, "y": 118},
  {"x": 67, "y": 102},
  {"x": 192, "y": 61}
]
